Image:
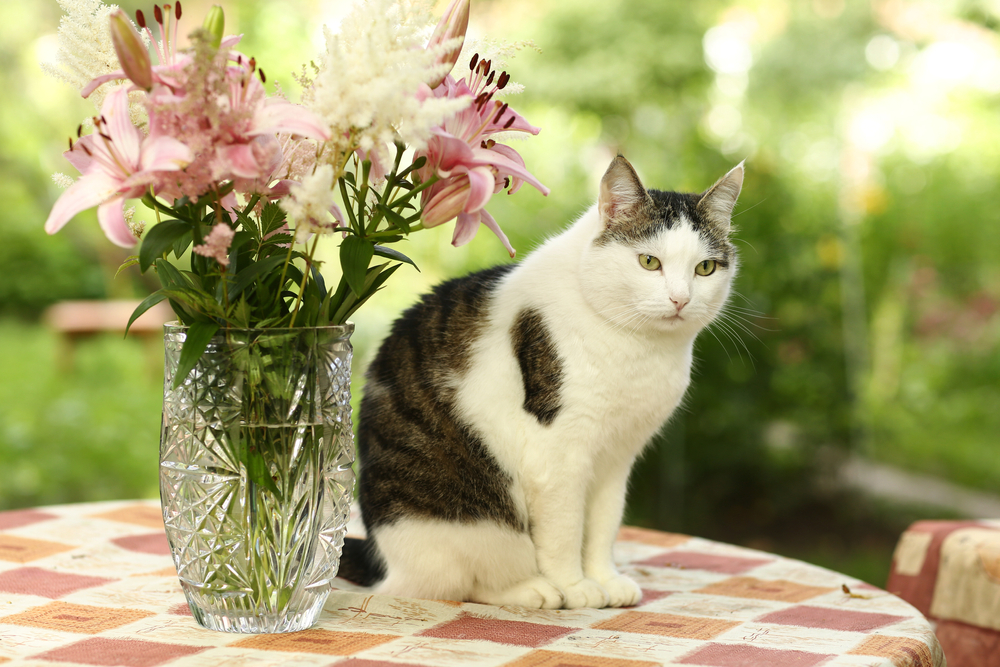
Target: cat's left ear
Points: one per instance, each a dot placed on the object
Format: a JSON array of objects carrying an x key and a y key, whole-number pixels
[{"x": 717, "y": 203}]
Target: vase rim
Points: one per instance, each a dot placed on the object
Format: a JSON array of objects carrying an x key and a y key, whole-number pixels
[{"x": 346, "y": 328}]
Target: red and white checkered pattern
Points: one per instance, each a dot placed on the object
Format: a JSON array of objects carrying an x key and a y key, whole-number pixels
[{"x": 93, "y": 584}]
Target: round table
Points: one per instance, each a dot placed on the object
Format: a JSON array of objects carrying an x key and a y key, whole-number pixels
[{"x": 93, "y": 584}]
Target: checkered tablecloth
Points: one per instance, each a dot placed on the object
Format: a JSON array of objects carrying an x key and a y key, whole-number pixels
[
  {"x": 93, "y": 584},
  {"x": 950, "y": 570}
]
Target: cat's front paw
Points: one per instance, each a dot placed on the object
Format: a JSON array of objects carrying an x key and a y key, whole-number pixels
[
  {"x": 585, "y": 593},
  {"x": 622, "y": 591},
  {"x": 536, "y": 593}
]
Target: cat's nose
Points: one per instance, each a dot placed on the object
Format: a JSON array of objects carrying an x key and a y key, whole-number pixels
[{"x": 679, "y": 302}]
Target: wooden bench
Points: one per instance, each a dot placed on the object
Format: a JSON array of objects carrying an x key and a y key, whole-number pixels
[{"x": 76, "y": 320}]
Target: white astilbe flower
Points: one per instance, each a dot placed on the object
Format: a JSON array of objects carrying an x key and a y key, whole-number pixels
[
  {"x": 137, "y": 227},
  {"x": 86, "y": 51},
  {"x": 371, "y": 74},
  {"x": 310, "y": 204},
  {"x": 62, "y": 180}
]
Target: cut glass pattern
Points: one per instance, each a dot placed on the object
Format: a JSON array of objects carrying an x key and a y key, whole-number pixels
[{"x": 255, "y": 474}]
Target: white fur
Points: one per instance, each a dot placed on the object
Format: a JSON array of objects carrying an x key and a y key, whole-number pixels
[{"x": 626, "y": 365}]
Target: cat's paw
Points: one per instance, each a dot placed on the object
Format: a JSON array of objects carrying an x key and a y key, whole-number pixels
[
  {"x": 622, "y": 591},
  {"x": 536, "y": 593},
  {"x": 586, "y": 593}
]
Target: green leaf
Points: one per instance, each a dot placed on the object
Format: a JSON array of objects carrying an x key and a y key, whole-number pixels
[
  {"x": 131, "y": 260},
  {"x": 181, "y": 245},
  {"x": 318, "y": 278},
  {"x": 239, "y": 240},
  {"x": 195, "y": 342},
  {"x": 169, "y": 275},
  {"x": 355, "y": 254},
  {"x": 347, "y": 301},
  {"x": 398, "y": 221},
  {"x": 281, "y": 238},
  {"x": 392, "y": 253},
  {"x": 375, "y": 285},
  {"x": 239, "y": 313},
  {"x": 196, "y": 301},
  {"x": 271, "y": 218},
  {"x": 160, "y": 238},
  {"x": 147, "y": 303},
  {"x": 260, "y": 472},
  {"x": 245, "y": 277}
]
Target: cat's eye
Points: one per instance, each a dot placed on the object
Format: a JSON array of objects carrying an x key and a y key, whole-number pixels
[
  {"x": 649, "y": 262},
  {"x": 705, "y": 268}
]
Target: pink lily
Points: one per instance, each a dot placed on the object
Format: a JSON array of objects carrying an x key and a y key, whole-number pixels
[
  {"x": 472, "y": 166},
  {"x": 454, "y": 24},
  {"x": 240, "y": 142},
  {"x": 134, "y": 65},
  {"x": 241, "y": 156},
  {"x": 133, "y": 56},
  {"x": 116, "y": 163}
]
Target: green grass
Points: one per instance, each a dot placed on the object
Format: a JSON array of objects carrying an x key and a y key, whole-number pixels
[{"x": 83, "y": 431}]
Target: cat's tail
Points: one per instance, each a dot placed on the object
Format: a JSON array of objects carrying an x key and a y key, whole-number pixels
[{"x": 360, "y": 562}]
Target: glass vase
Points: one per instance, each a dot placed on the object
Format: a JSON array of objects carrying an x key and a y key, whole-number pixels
[{"x": 255, "y": 473}]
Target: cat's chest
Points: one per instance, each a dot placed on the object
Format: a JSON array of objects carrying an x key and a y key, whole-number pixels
[{"x": 626, "y": 376}]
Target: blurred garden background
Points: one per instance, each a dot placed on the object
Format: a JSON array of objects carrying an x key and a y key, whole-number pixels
[{"x": 865, "y": 330}]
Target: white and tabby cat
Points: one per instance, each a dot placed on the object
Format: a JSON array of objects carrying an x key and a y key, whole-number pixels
[{"x": 503, "y": 413}]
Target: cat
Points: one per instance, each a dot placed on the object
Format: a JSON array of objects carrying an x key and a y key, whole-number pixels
[{"x": 504, "y": 411}]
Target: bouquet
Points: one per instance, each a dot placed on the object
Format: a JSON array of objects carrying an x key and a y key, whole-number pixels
[{"x": 392, "y": 137}]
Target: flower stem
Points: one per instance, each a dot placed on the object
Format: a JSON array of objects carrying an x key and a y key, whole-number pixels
[{"x": 305, "y": 277}]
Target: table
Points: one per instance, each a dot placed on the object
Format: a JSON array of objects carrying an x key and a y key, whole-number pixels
[
  {"x": 950, "y": 570},
  {"x": 93, "y": 584}
]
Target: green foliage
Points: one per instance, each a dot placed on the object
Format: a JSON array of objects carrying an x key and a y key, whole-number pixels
[
  {"x": 38, "y": 270},
  {"x": 77, "y": 423}
]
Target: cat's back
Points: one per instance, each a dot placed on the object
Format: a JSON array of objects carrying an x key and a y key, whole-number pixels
[
  {"x": 418, "y": 457},
  {"x": 431, "y": 340}
]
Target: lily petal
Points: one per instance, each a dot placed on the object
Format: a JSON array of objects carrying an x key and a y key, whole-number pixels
[
  {"x": 492, "y": 225},
  {"x": 88, "y": 191},
  {"x": 240, "y": 160},
  {"x": 79, "y": 157},
  {"x": 281, "y": 116},
  {"x": 446, "y": 152},
  {"x": 112, "y": 220},
  {"x": 446, "y": 203},
  {"x": 514, "y": 156},
  {"x": 101, "y": 80},
  {"x": 125, "y": 136},
  {"x": 165, "y": 154},
  {"x": 505, "y": 165},
  {"x": 465, "y": 228},
  {"x": 481, "y": 182}
]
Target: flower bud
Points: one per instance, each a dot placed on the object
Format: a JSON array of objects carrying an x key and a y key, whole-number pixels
[
  {"x": 215, "y": 24},
  {"x": 133, "y": 56},
  {"x": 453, "y": 25}
]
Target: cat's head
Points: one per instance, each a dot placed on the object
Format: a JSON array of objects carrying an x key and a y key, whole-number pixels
[{"x": 660, "y": 261}]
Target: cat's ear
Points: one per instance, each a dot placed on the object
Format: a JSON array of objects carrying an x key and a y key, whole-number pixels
[
  {"x": 621, "y": 191},
  {"x": 717, "y": 203}
]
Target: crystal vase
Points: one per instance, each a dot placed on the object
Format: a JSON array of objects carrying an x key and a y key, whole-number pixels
[{"x": 255, "y": 473}]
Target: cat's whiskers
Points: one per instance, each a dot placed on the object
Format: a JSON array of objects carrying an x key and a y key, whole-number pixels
[
  {"x": 629, "y": 314},
  {"x": 733, "y": 335},
  {"x": 721, "y": 344}
]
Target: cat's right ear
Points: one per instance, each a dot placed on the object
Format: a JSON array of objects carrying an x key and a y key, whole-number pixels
[{"x": 621, "y": 192}]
